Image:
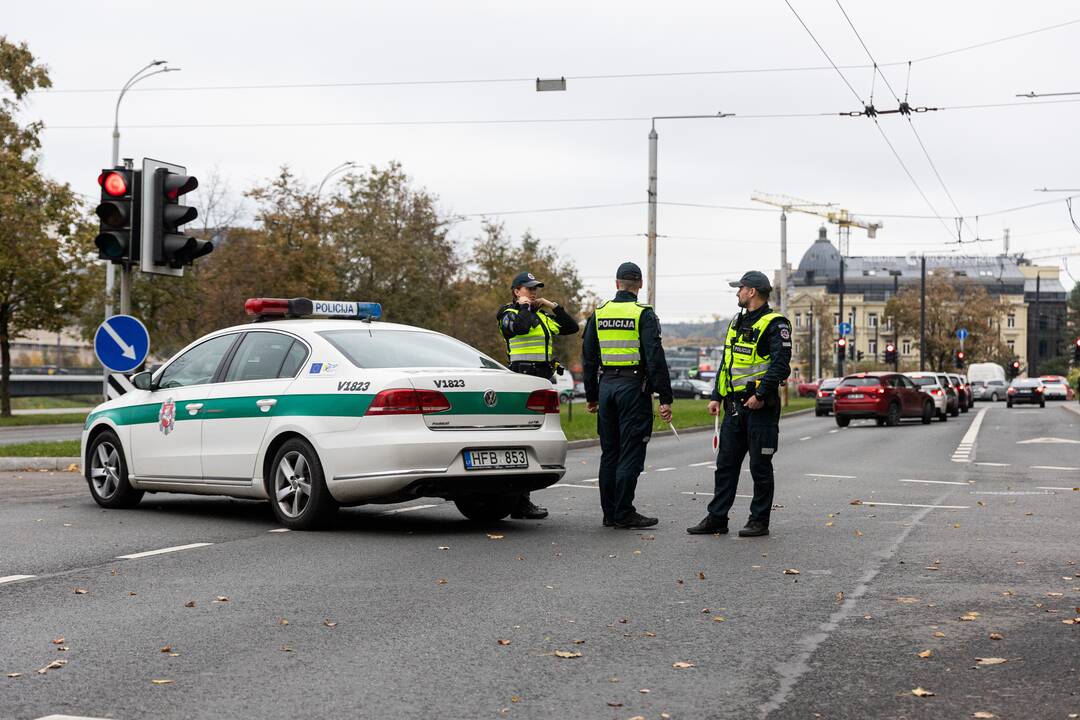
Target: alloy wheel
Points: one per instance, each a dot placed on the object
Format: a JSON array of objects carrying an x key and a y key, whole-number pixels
[
  {"x": 292, "y": 484},
  {"x": 105, "y": 470}
]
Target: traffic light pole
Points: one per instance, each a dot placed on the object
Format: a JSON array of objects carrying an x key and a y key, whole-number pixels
[
  {"x": 839, "y": 357},
  {"x": 922, "y": 317}
]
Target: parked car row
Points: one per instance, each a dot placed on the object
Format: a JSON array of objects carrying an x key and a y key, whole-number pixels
[{"x": 947, "y": 394}]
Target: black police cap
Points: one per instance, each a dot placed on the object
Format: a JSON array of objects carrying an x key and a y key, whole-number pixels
[
  {"x": 754, "y": 279},
  {"x": 628, "y": 271},
  {"x": 526, "y": 279}
]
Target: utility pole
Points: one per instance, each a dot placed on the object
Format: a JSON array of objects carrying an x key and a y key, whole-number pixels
[
  {"x": 650, "y": 271},
  {"x": 815, "y": 325},
  {"x": 922, "y": 317},
  {"x": 783, "y": 264},
  {"x": 840, "y": 322},
  {"x": 1033, "y": 364}
]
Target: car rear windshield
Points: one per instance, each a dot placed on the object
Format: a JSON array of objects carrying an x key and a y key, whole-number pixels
[
  {"x": 405, "y": 349},
  {"x": 1027, "y": 383},
  {"x": 923, "y": 381},
  {"x": 829, "y": 384},
  {"x": 861, "y": 382}
]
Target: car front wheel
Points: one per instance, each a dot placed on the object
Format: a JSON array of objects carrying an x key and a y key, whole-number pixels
[
  {"x": 487, "y": 509},
  {"x": 993, "y": 397},
  {"x": 107, "y": 473},
  {"x": 927, "y": 413},
  {"x": 943, "y": 416},
  {"x": 892, "y": 418},
  {"x": 298, "y": 492}
]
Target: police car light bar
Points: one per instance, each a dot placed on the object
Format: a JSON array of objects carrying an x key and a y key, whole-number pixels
[{"x": 264, "y": 308}]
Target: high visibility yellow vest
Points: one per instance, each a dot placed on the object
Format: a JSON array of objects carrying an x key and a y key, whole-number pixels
[
  {"x": 618, "y": 328},
  {"x": 535, "y": 345},
  {"x": 741, "y": 360}
]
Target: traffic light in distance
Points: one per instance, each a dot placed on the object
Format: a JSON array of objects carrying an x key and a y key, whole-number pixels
[
  {"x": 1076, "y": 351},
  {"x": 960, "y": 355},
  {"x": 171, "y": 246},
  {"x": 841, "y": 347},
  {"x": 119, "y": 215},
  {"x": 1014, "y": 368},
  {"x": 890, "y": 353},
  {"x": 859, "y": 355}
]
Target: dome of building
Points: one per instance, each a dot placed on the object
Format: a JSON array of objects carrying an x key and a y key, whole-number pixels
[{"x": 820, "y": 261}]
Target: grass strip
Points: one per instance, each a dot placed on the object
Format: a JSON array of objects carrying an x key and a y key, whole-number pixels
[
  {"x": 54, "y": 448},
  {"x": 26, "y": 420}
]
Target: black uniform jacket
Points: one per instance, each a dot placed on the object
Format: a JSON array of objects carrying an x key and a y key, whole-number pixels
[
  {"x": 774, "y": 342},
  {"x": 653, "y": 361},
  {"x": 511, "y": 324}
]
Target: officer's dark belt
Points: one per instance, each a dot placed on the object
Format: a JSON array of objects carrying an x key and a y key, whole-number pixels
[{"x": 620, "y": 370}]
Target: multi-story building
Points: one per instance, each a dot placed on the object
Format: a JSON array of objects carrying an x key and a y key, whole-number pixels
[{"x": 870, "y": 281}]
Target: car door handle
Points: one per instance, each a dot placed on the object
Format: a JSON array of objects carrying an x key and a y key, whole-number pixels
[
  {"x": 266, "y": 404},
  {"x": 193, "y": 408}
]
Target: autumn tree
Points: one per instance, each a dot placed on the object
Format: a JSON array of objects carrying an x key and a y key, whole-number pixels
[
  {"x": 44, "y": 238},
  {"x": 951, "y": 304}
]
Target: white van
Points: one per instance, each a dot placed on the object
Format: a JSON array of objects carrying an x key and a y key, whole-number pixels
[{"x": 982, "y": 372}]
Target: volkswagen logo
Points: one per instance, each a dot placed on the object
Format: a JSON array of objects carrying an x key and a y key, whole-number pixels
[{"x": 490, "y": 398}]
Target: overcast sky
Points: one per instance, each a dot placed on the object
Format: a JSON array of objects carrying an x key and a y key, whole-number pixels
[{"x": 989, "y": 159}]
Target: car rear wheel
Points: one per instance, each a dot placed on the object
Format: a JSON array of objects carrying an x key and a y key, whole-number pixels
[
  {"x": 927, "y": 413},
  {"x": 955, "y": 412},
  {"x": 487, "y": 509},
  {"x": 298, "y": 492},
  {"x": 892, "y": 417},
  {"x": 843, "y": 421},
  {"x": 107, "y": 474},
  {"x": 993, "y": 397},
  {"x": 943, "y": 416}
]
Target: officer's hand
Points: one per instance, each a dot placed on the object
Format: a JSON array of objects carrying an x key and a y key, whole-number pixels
[
  {"x": 523, "y": 300},
  {"x": 754, "y": 403},
  {"x": 543, "y": 302},
  {"x": 714, "y": 408},
  {"x": 592, "y": 407},
  {"x": 665, "y": 413}
]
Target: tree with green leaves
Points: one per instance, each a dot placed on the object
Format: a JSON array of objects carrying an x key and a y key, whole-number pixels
[{"x": 45, "y": 239}]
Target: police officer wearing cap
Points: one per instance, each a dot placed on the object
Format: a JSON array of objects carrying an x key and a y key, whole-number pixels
[
  {"x": 757, "y": 358},
  {"x": 529, "y": 325},
  {"x": 624, "y": 364}
]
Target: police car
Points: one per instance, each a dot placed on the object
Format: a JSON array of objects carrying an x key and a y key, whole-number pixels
[{"x": 315, "y": 406}]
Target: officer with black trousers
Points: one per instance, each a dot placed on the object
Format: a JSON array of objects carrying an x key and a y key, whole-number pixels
[
  {"x": 757, "y": 358},
  {"x": 529, "y": 325},
  {"x": 624, "y": 364}
]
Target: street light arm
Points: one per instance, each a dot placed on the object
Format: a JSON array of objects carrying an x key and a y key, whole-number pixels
[
  {"x": 137, "y": 77},
  {"x": 343, "y": 166}
]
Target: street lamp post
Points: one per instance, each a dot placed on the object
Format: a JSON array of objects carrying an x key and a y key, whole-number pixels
[
  {"x": 650, "y": 272},
  {"x": 110, "y": 271},
  {"x": 318, "y": 193}
]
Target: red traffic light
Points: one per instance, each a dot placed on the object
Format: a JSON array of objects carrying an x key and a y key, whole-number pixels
[
  {"x": 890, "y": 348},
  {"x": 1016, "y": 364},
  {"x": 114, "y": 183},
  {"x": 960, "y": 354},
  {"x": 842, "y": 342}
]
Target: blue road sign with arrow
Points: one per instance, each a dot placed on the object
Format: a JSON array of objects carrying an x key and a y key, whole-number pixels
[
  {"x": 845, "y": 328},
  {"x": 121, "y": 343},
  {"x": 962, "y": 333}
]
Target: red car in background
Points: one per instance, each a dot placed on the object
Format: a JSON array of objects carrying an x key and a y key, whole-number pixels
[
  {"x": 808, "y": 388},
  {"x": 887, "y": 397}
]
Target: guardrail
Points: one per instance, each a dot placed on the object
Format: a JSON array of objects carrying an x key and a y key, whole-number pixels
[{"x": 41, "y": 385}]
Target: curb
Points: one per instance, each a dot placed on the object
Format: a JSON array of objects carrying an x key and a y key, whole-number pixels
[
  {"x": 579, "y": 444},
  {"x": 39, "y": 463},
  {"x": 1072, "y": 408}
]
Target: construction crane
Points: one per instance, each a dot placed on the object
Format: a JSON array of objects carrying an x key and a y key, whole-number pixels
[{"x": 843, "y": 219}]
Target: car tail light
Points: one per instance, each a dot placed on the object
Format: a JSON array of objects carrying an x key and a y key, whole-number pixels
[
  {"x": 1011, "y": 390},
  {"x": 543, "y": 401},
  {"x": 935, "y": 391},
  {"x": 880, "y": 391},
  {"x": 821, "y": 393},
  {"x": 1039, "y": 388},
  {"x": 407, "y": 401}
]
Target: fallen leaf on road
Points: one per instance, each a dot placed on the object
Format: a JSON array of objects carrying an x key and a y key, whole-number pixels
[
  {"x": 14, "y": 675},
  {"x": 926, "y": 653},
  {"x": 329, "y": 623},
  {"x": 80, "y": 591},
  {"x": 614, "y": 703},
  {"x": 649, "y": 634},
  {"x": 162, "y": 682},
  {"x": 73, "y": 467},
  {"x": 444, "y": 547},
  {"x": 637, "y": 552},
  {"x": 578, "y": 642},
  {"x": 858, "y": 533},
  {"x": 286, "y": 648},
  {"x": 701, "y": 576},
  {"x": 840, "y": 596},
  {"x": 492, "y": 536},
  {"x": 996, "y": 636},
  {"x": 990, "y": 661},
  {"x": 855, "y": 502},
  {"x": 931, "y": 567},
  {"x": 283, "y": 621},
  {"x": 58, "y": 641},
  {"x": 682, "y": 665},
  {"x": 1071, "y": 622},
  {"x": 441, "y": 581},
  {"x": 791, "y": 571},
  {"x": 131, "y": 594},
  {"x": 907, "y": 600},
  {"x": 515, "y": 698},
  {"x": 922, "y": 692},
  {"x": 983, "y": 715},
  {"x": 718, "y": 618},
  {"x": 54, "y": 665},
  {"x": 829, "y": 524},
  {"x": 956, "y": 525},
  {"x": 1028, "y": 514},
  {"x": 644, "y": 691},
  {"x": 503, "y": 642},
  {"x": 189, "y": 603},
  {"x": 969, "y": 616},
  {"x": 567, "y": 654},
  {"x": 647, "y": 537},
  {"x": 520, "y": 557},
  {"x": 166, "y": 649},
  {"x": 1055, "y": 594},
  {"x": 939, "y": 634},
  {"x": 221, "y": 599}
]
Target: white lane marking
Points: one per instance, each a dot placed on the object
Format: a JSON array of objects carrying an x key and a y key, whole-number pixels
[
  {"x": 395, "y": 511},
  {"x": 967, "y": 443},
  {"x": 14, "y": 578},
  {"x": 842, "y": 477},
  {"x": 1052, "y": 467},
  {"x": 583, "y": 487},
  {"x": 69, "y": 717},
  {"x": 833, "y": 431},
  {"x": 871, "y": 503},
  {"x": 702, "y": 464},
  {"x": 162, "y": 551},
  {"x": 990, "y": 464},
  {"x": 1048, "y": 441},
  {"x": 279, "y": 530},
  {"x": 685, "y": 492},
  {"x": 932, "y": 482},
  {"x": 806, "y": 438},
  {"x": 595, "y": 480},
  {"x": 667, "y": 469},
  {"x": 1037, "y": 488}
]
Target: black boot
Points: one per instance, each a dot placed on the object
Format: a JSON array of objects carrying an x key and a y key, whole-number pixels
[
  {"x": 525, "y": 510},
  {"x": 754, "y": 528},
  {"x": 636, "y": 520},
  {"x": 709, "y": 526}
]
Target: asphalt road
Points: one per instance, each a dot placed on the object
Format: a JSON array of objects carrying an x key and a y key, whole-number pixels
[
  {"x": 39, "y": 433},
  {"x": 399, "y": 611}
]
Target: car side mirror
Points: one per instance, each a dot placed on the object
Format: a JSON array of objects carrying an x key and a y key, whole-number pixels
[{"x": 143, "y": 380}]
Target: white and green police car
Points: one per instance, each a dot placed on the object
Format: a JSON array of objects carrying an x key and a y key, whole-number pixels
[{"x": 313, "y": 411}]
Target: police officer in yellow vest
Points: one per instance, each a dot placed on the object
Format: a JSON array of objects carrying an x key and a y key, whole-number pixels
[
  {"x": 529, "y": 326},
  {"x": 624, "y": 364},
  {"x": 757, "y": 358}
]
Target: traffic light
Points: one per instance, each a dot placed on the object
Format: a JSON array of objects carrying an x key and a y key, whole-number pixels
[
  {"x": 859, "y": 355},
  {"x": 119, "y": 215},
  {"x": 1076, "y": 351},
  {"x": 841, "y": 347},
  {"x": 890, "y": 353},
  {"x": 960, "y": 359},
  {"x": 170, "y": 245},
  {"x": 1014, "y": 369}
]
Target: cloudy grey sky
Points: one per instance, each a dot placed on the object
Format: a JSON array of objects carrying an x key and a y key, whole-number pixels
[{"x": 989, "y": 158}]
